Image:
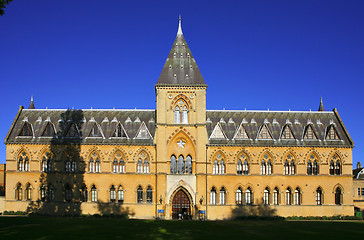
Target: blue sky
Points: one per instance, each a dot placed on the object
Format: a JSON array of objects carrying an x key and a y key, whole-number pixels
[{"x": 256, "y": 55}]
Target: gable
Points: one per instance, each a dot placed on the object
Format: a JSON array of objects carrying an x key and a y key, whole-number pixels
[
  {"x": 218, "y": 133},
  {"x": 264, "y": 132},
  {"x": 143, "y": 132},
  {"x": 241, "y": 133},
  {"x": 287, "y": 133}
]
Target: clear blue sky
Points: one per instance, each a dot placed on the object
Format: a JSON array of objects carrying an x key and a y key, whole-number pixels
[{"x": 252, "y": 54}]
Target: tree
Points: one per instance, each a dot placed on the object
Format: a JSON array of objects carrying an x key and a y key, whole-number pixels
[{"x": 3, "y": 5}]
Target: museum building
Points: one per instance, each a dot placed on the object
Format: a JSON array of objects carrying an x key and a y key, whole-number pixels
[{"x": 180, "y": 160}]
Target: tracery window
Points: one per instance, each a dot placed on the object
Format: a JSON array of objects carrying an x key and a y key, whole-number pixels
[
  {"x": 335, "y": 165},
  {"x": 238, "y": 196},
  {"x": 181, "y": 113},
  {"x": 242, "y": 168},
  {"x": 181, "y": 166},
  {"x": 275, "y": 196},
  {"x": 338, "y": 196},
  {"x": 70, "y": 164},
  {"x": 93, "y": 194},
  {"x": 248, "y": 196},
  {"x": 266, "y": 165},
  {"x": 94, "y": 163},
  {"x": 331, "y": 133},
  {"x": 266, "y": 196},
  {"x": 312, "y": 165},
  {"x": 28, "y": 192},
  {"x": 23, "y": 162},
  {"x": 218, "y": 167},
  {"x": 288, "y": 196},
  {"x": 318, "y": 196},
  {"x": 18, "y": 192},
  {"x": 297, "y": 196},
  {"x": 213, "y": 196},
  {"x": 315, "y": 168},
  {"x": 332, "y": 167},
  {"x": 120, "y": 195},
  {"x": 112, "y": 194},
  {"x": 222, "y": 196},
  {"x": 149, "y": 194},
  {"x": 143, "y": 163},
  {"x": 119, "y": 131},
  {"x": 47, "y": 163},
  {"x": 222, "y": 167},
  {"x": 173, "y": 164},
  {"x": 289, "y": 166},
  {"x": 140, "y": 194},
  {"x": 239, "y": 167},
  {"x": 309, "y": 133}
]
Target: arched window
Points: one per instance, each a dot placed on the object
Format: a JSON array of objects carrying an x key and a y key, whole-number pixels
[
  {"x": 26, "y": 131},
  {"x": 93, "y": 194},
  {"x": 97, "y": 165},
  {"x": 269, "y": 168},
  {"x": 315, "y": 168},
  {"x": 276, "y": 196},
  {"x": 120, "y": 195},
  {"x": 118, "y": 165},
  {"x": 44, "y": 165},
  {"x": 146, "y": 166},
  {"x": 43, "y": 193},
  {"x": 188, "y": 165},
  {"x": 177, "y": 118},
  {"x": 266, "y": 195},
  {"x": 68, "y": 166},
  {"x": 239, "y": 167},
  {"x": 338, "y": 196},
  {"x": 289, "y": 166},
  {"x": 248, "y": 196},
  {"x": 173, "y": 165},
  {"x": 297, "y": 196},
  {"x": 50, "y": 192},
  {"x": 181, "y": 113},
  {"x": 28, "y": 192},
  {"x": 215, "y": 167},
  {"x": 238, "y": 196},
  {"x": 292, "y": 168},
  {"x": 143, "y": 163},
  {"x": 309, "y": 167},
  {"x": 184, "y": 115},
  {"x": 121, "y": 166},
  {"x": 263, "y": 168},
  {"x": 91, "y": 166},
  {"x": 318, "y": 196},
  {"x": 18, "y": 192},
  {"x": 222, "y": 196},
  {"x": 140, "y": 194},
  {"x": 222, "y": 167},
  {"x": 68, "y": 193},
  {"x": 140, "y": 166},
  {"x": 47, "y": 164},
  {"x": 94, "y": 163},
  {"x": 73, "y": 166},
  {"x": 213, "y": 196},
  {"x": 149, "y": 195},
  {"x": 288, "y": 196},
  {"x": 332, "y": 167},
  {"x": 21, "y": 163},
  {"x": 286, "y": 168},
  {"x": 115, "y": 166},
  {"x": 181, "y": 165},
  {"x": 84, "y": 194},
  {"x": 112, "y": 194},
  {"x": 338, "y": 168},
  {"x": 246, "y": 167}
]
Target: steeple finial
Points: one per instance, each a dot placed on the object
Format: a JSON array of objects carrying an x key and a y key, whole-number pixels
[
  {"x": 321, "y": 107},
  {"x": 179, "y": 26},
  {"x": 31, "y": 105}
]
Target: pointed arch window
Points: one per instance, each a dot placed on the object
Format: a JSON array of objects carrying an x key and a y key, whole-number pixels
[
  {"x": 275, "y": 196},
  {"x": 222, "y": 167},
  {"x": 338, "y": 168},
  {"x": 335, "y": 165},
  {"x": 47, "y": 163},
  {"x": 215, "y": 167},
  {"x": 48, "y": 130},
  {"x": 140, "y": 194},
  {"x": 43, "y": 193},
  {"x": 28, "y": 192},
  {"x": 239, "y": 167},
  {"x": 93, "y": 193},
  {"x": 318, "y": 196},
  {"x": 248, "y": 196},
  {"x": 94, "y": 163},
  {"x": 143, "y": 163},
  {"x": 84, "y": 194},
  {"x": 73, "y": 166},
  {"x": 242, "y": 168},
  {"x": 315, "y": 168},
  {"x": 297, "y": 196},
  {"x": 238, "y": 196},
  {"x": 188, "y": 165},
  {"x": 115, "y": 166},
  {"x": 266, "y": 196},
  {"x": 120, "y": 195},
  {"x": 177, "y": 118},
  {"x": 289, "y": 166},
  {"x": 213, "y": 196},
  {"x": 68, "y": 165},
  {"x": 332, "y": 167},
  {"x": 181, "y": 113},
  {"x": 266, "y": 167},
  {"x": 309, "y": 167},
  {"x": 18, "y": 192},
  {"x": 146, "y": 166},
  {"x": 26, "y": 131},
  {"x": 286, "y": 168},
  {"x": 118, "y": 165},
  {"x": 288, "y": 196},
  {"x": 246, "y": 167},
  {"x": 181, "y": 165},
  {"x": 338, "y": 196},
  {"x": 184, "y": 115},
  {"x": 23, "y": 162},
  {"x": 149, "y": 195},
  {"x": 112, "y": 194},
  {"x": 222, "y": 196},
  {"x": 173, "y": 165},
  {"x": 140, "y": 166},
  {"x": 263, "y": 167}
]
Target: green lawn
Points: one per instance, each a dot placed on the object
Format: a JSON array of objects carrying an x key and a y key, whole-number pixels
[{"x": 113, "y": 228}]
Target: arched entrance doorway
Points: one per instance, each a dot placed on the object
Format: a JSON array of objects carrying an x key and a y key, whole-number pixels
[{"x": 181, "y": 206}]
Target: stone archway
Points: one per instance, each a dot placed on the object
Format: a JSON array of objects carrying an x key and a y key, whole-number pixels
[{"x": 181, "y": 205}]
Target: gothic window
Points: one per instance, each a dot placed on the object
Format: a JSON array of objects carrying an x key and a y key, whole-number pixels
[
  {"x": 238, "y": 196},
  {"x": 239, "y": 167},
  {"x": 215, "y": 167},
  {"x": 222, "y": 196},
  {"x": 68, "y": 165},
  {"x": 120, "y": 195},
  {"x": 188, "y": 165},
  {"x": 84, "y": 194},
  {"x": 173, "y": 165},
  {"x": 276, "y": 196},
  {"x": 222, "y": 167},
  {"x": 115, "y": 166},
  {"x": 286, "y": 168},
  {"x": 309, "y": 133},
  {"x": 246, "y": 167},
  {"x": 146, "y": 166},
  {"x": 315, "y": 168},
  {"x": 338, "y": 168},
  {"x": 121, "y": 166},
  {"x": 287, "y": 133},
  {"x": 335, "y": 165},
  {"x": 119, "y": 131},
  {"x": 181, "y": 165},
  {"x": 91, "y": 165},
  {"x": 50, "y": 194},
  {"x": 93, "y": 194},
  {"x": 318, "y": 196},
  {"x": 23, "y": 162},
  {"x": 297, "y": 196},
  {"x": 73, "y": 166},
  {"x": 143, "y": 163},
  {"x": 18, "y": 192},
  {"x": 68, "y": 193},
  {"x": 43, "y": 193},
  {"x": 266, "y": 165},
  {"x": 184, "y": 115},
  {"x": 288, "y": 196},
  {"x": 28, "y": 192},
  {"x": 95, "y": 131},
  {"x": 332, "y": 167},
  {"x": 309, "y": 167},
  {"x": 181, "y": 113},
  {"x": 47, "y": 163},
  {"x": 338, "y": 196},
  {"x": 26, "y": 131},
  {"x": 312, "y": 165},
  {"x": 140, "y": 194},
  {"x": 331, "y": 133},
  {"x": 269, "y": 168},
  {"x": 112, "y": 194},
  {"x": 266, "y": 194},
  {"x": 140, "y": 166},
  {"x": 118, "y": 165},
  {"x": 289, "y": 166},
  {"x": 94, "y": 163},
  {"x": 264, "y": 133},
  {"x": 149, "y": 195},
  {"x": 292, "y": 168},
  {"x": 248, "y": 197},
  {"x": 48, "y": 130},
  {"x": 263, "y": 168},
  {"x": 213, "y": 196},
  {"x": 177, "y": 118}
]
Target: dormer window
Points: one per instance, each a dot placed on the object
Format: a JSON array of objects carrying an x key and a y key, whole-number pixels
[{"x": 26, "y": 131}]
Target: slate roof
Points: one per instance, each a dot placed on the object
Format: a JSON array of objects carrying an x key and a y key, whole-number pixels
[
  {"x": 276, "y": 120},
  {"x": 85, "y": 120},
  {"x": 180, "y": 67}
]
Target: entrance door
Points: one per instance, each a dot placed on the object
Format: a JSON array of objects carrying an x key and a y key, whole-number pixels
[{"x": 181, "y": 206}]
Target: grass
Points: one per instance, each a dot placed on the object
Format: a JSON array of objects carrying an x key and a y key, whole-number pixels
[{"x": 114, "y": 228}]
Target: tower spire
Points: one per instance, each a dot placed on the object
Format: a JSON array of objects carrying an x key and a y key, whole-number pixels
[
  {"x": 179, "y": 32},
  {"x": 321, "y": 107},
  {"x": 31, "y": 105}
]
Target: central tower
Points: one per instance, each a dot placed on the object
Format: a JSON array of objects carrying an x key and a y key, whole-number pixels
[{"x": 181, "y": 135}]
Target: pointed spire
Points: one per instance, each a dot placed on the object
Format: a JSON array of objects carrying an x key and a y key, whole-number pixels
[
  {"x": 179, "y": 32},
  {"x": 31, "y": 105},
  {"x": 321, "y": 107}
]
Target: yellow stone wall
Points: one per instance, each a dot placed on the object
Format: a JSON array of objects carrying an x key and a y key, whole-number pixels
[{"x": 358, "y": 198}]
